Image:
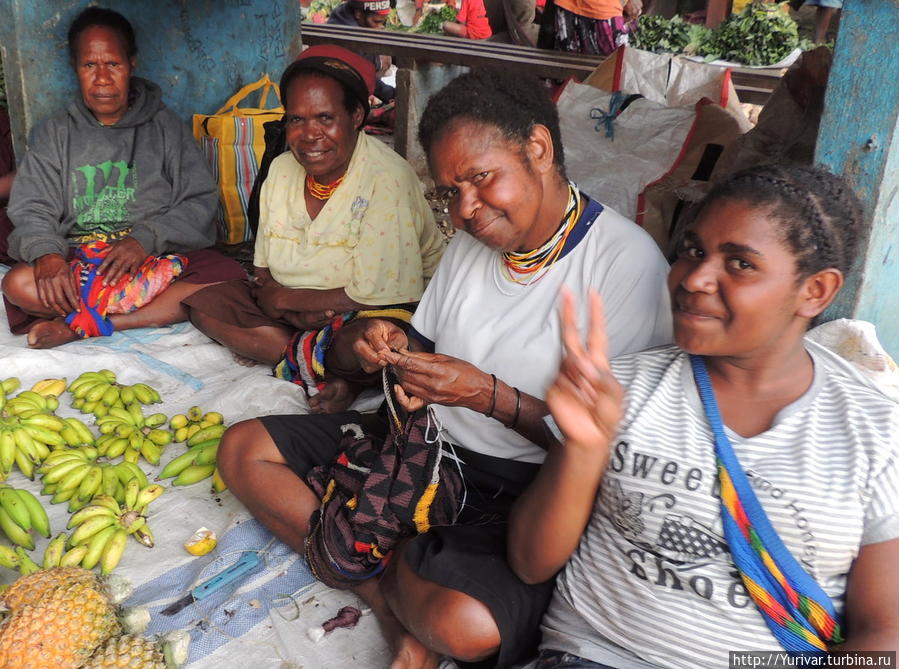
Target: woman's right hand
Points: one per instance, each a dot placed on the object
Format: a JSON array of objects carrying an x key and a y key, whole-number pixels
[
  {"x": 376, "y": 339},
  {"x": 56, "y": 286},
  {"x": 585, "y": 399}
]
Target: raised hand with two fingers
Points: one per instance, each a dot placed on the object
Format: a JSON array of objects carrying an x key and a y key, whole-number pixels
[{"x": 585, "y": 399}]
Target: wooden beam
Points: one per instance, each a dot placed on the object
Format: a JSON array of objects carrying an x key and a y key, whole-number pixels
[
  {"x": 752, "y": 84},
  {"x": 859, "y": 138}
]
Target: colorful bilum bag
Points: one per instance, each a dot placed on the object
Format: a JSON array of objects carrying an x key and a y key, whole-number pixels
[
  {"x": 233, "y": 141},
  {"x": 377, "y": 492}
]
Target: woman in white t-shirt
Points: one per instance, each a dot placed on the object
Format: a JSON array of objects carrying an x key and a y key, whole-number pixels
[
  {"x": 680, "y": 543},
  {"x": 483, "y": 348}
]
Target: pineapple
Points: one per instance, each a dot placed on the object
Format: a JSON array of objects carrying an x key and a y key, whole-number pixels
[
  {"x": 127, "y": 652},
  {"x": 59, "y": 629},
  {"x": 34, "y": 586}
]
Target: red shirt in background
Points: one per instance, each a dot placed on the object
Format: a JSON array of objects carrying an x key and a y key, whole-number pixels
[{"x": 474, "y": 15}]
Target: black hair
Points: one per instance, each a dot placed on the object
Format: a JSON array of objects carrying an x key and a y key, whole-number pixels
[
  {"x": 350, "y": 100},
  {"x": 105, "y": 18},
  {"x": 821, "y": 217},
  {"x": 487, "y": 95}
]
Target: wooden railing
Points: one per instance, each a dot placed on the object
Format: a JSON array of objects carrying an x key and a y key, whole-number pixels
[{"x": 410, "y": 49}]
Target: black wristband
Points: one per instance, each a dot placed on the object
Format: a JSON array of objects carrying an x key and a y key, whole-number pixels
[
  {"x": 489, "y": 413},
  {"x": 517, "y": 408}
]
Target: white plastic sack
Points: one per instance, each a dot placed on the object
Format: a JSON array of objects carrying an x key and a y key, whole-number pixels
[{"x": 648, "y": 137}]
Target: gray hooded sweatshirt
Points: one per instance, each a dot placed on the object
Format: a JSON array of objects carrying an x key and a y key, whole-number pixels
[{"x": 81, "y": 180}]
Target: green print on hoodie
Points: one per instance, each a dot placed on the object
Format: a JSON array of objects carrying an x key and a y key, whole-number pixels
[
  {"x": 79, "y": 181},
  {"x": 101, "y": 197}
]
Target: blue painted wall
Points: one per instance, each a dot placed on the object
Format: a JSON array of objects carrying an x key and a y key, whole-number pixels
[
  {"x": 199, "y": 51},
  {"x": 859, "y": 138}
]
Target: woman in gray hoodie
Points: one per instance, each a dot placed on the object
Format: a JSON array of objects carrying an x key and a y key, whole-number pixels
[{"x": 112, "y": 204}]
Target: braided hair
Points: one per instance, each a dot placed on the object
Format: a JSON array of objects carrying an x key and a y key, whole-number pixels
[
  {"x": 487, "y": 95},
  {"x": 821, "y": 218}
]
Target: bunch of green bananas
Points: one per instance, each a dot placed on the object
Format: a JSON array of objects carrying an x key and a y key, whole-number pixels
[
  {"x": 27, "y": 437},
  {"x": 20, "y": 513},
  {"x": 187, "y": 425},
  {"x": 101, "y": 530},
  {"x": 132, "y": 435},
  {"x": 75, "y": 477},
  {"x": 199, "y": 461},
  {"x": 17, "y": 559},
  {"x": 98, "y": 392}
]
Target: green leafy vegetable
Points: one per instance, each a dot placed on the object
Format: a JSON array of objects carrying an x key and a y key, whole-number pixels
[
  {"x": 432, "y": 23},
  {"x": 762, "y": 34}
]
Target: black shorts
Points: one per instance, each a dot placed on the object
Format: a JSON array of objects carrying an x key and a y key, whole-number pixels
[{"x": 469, "y": 557}]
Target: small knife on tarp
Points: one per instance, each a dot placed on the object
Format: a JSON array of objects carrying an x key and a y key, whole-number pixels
[{"x": 248, "y": 561}]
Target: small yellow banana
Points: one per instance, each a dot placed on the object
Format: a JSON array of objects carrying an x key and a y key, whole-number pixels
[
  {"x": 218, "y": 483},
  {"x": 97, "y": 545},
  {"x": 10, "y": 385},
  {"x": 15, "y": 533},
  {"x": 54, "y": 551},
  {"x": 26, "y": 564},
  {"x": 73, "y": 556},
  {"x": 89, "y": 528},
  {"x": 178, "y": 421},
  {"x": 40, "y": 523},
  {"x": 8, "y": 557},
  {"x": 205, "y": 434},
  {"x": 112, "y": 552},
  {"x": 48, "y": 387}
]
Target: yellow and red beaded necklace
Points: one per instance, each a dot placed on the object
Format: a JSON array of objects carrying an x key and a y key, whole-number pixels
[
  {"x": 522, "y": 267},
  {"x": 322, "y": 191}
]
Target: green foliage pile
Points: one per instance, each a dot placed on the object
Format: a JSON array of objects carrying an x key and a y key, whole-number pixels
[
  {"x": 762, "y": 34},
  {"x": 674, "y": 35},
  {"x": 432, "y": 23}
]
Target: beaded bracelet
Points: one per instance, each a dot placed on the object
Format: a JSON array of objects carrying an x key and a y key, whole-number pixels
[
  {"x": 489, "y": 413},
  {"x": 517, "y": 409}
]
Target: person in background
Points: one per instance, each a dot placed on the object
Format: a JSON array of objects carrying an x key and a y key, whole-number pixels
[
  {"x": 595, "y": 27},
  {"x": 471, "y": 21},
  {"x": 826, "y": 9},
  {"x": 112, "y": 205},
  {"x": 368, "y": 14},
  {"x": 344, "y": 229},
  {"x": 735, "y": 491},
  {"x": 7, "y": 175}
]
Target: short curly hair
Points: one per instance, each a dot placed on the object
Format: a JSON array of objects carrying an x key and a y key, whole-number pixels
[
  {"x": 104, "y": 18},
  {"x": 821, "y": 218},
  {"x": 487, "y": 95}
]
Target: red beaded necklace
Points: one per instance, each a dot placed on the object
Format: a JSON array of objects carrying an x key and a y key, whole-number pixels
[{"x": 322, "y": 191}]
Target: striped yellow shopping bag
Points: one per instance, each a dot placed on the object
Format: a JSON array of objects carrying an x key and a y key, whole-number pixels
[{"x": 233, "y": 141}]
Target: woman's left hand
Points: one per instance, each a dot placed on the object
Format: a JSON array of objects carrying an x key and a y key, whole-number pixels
[
  {"x": 433, "y": 378},
  {"x": 124, "y": 257}
]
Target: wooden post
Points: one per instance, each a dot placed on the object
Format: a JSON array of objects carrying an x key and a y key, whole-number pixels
[
  {"x": 716, "y": 11},
  {"x": 858, "y": 138}
]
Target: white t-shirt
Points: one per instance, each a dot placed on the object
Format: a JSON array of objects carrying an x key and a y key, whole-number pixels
[
  {"x": 471, "y": 310},
  {"x": 652, "y": 580}
]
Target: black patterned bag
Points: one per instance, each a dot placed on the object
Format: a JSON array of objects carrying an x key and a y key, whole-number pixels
[{"x": 377, "y": 492}]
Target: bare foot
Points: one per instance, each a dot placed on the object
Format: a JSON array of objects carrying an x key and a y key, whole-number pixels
[
  {"x": 245, "y": 361},
  {"x": 48, "y": 334},
  {"x": 411, "y": 654},
  {"x": 337, "y": 395}
]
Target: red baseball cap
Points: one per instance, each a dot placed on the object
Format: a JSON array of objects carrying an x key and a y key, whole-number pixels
[{"x": 347, "y": 67}]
